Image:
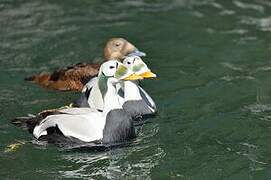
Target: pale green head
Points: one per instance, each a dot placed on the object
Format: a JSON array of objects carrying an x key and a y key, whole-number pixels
[
  {"x": 136, "y": 64},
  {"x": 114, "y": 71}
]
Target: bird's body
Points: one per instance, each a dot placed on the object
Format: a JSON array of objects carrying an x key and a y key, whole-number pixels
[
  {"x": 73, "y": 78},
  {"x": 133, "y": 98},
  {"x": 85, "y": 127},
  {"x": 113, "y": 125}
]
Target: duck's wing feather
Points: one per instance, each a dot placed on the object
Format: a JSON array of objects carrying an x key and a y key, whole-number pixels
[
  {"x": 90, "y": 84},
  {"x": 70, "y": 78},
  {"x": 29, "y": 122},
  {"x": 82, "y": 101},
  {"x": 77, "y": 111},
  {"x": 147, "y": 98},
  {"x": 86, "y": 127}
]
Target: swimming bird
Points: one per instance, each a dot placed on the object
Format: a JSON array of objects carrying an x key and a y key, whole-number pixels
[
  {"x": 136, "y": 100},
  {"x": 131, "y": 96},
  {"x": 75, "y": 77},
  {"x": 113, "y": 125}
]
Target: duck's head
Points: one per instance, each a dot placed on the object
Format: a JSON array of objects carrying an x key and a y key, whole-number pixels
[
  {"x": 119, "y": 48},
  {"x": 136, "y": 64},
  {"x": 113, "y": 72}
]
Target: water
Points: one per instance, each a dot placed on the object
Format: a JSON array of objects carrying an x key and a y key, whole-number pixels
[{"x": 213, "y": 91}]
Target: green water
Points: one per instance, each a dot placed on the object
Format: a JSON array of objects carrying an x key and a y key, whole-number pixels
[{"x": 213, "y": 58}]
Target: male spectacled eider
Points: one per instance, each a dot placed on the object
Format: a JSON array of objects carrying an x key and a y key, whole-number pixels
[
  {"x": 74, "y": 77},
  {"x": 133, "y": 98},
  {"x": 113, "y": 125},
  {"x": 136, "y": 100}
]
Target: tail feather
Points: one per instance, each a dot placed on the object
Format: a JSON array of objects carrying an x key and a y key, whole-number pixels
[
  {"x": 42, "y": 78},
  {"x": 30, "y": 121},
  {"x": 30, "y": 78},
  {"x": 27, "y": 123}
]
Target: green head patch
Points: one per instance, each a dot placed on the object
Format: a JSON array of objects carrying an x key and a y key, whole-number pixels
[
  {"x": 121, "y": 71},
  {"x": 138, "y": 67}
]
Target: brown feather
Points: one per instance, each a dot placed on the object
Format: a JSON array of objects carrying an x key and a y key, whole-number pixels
[{"x": 73, "y": 78}]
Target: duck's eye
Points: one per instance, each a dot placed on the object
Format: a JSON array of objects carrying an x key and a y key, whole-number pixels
[
  {"x": 111, "y": 67},
  {"x": 117, "y": 44},
  {"x": 128, "y": 62}
]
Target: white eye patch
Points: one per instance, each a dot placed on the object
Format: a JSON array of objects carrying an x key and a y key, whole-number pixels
[
  {"x": 136, "y": 64},
  {"x": 109, "y": 68},
  {"x": 130, "y": 61}
]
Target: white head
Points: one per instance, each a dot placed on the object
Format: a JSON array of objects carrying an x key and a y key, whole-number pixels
[
  {"x": 136, "y": 64},
  {"x": 113, "y": 72}
]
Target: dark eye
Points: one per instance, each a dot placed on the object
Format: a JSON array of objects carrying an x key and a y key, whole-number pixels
[
  {"x": 111, "y": 67},
  {"x": 128, "y": 62},
  {"x": 117, "y": 44}
]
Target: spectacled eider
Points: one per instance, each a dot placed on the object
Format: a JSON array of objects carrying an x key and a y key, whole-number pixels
[
  {"x": 132, "y": 97},
  {"x": 113, "y": 125}
]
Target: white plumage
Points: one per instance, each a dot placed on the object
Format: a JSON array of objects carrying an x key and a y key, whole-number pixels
[
  {"x": 131, "y": 90},
  {"x": 88, "y": 124}
]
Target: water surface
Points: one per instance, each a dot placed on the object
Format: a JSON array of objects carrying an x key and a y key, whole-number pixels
[{"x": 213, "y": 91}]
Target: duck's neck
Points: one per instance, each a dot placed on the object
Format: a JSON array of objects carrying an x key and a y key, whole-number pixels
[
  {"x": 111, "y": 99},
  {"x": 131, "y": 91}
]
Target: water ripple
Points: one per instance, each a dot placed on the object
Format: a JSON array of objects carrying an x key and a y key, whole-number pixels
[
  {"x": 251, "y": 6},
  {"x": 134, "y": 161}
]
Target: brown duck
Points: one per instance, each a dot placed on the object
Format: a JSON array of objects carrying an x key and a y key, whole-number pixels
[{"x": 74, "y": 77}]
